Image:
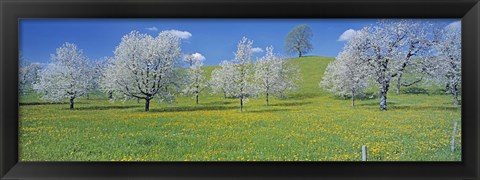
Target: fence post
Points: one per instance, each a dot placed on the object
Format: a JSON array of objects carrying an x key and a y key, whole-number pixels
[
  {"x": 364, "y": 153},
  {"x": 453, "y": 137}
]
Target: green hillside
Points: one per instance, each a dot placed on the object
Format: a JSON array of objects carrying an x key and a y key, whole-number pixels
[{"x": 309, "y": 125}]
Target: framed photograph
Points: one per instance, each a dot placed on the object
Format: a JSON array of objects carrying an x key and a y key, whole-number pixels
[{"x": 239, "y": 89}]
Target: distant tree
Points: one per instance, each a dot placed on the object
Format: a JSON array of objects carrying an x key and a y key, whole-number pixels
[
  {"x": 143, "y": 67},
  {"x": 98, "y": 68},
  {"x": 68, "y": 75},
  {"x": 348, "y": 74},
  {"x": 449, "y": 61},
  {"x": 196, "y": 79},
  {"x": 298, "y": 40},
  {"x": 95, "y": 73},
  {"x": 222, "y": 78},
  {"x": 273, "y": 75},
  {"x": 289, "y": 78},
  {"x": 28, "y": 75},
  {"x": 193, "y": 58}
]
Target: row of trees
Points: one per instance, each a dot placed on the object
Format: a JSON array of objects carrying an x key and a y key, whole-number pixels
[
  {"x": 240, "y": 78},
  {"x": 391, "y": 49},
  {"x": 146, "y": 67}
]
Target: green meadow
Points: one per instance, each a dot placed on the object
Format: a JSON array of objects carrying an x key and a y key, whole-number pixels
[{"x": 310, "y": 124}]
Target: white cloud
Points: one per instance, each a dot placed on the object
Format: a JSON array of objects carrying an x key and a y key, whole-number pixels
[
  {"x": 257, "y": 50},
  {"x": 454, "y": 25},
  {"x": 180, "y": 34},
  {"x": 41, "y": 64},
  {"x": 152, "y": 28},
  {"x": 347, "y": 35},
  {"x": 197, "y": 56}
]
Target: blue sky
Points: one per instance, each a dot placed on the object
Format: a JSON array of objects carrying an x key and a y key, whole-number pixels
[{"x": 216, "y": 39}]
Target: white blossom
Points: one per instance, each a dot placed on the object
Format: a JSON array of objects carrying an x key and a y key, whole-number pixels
[
  {"x": 389, "y": 48},
  {"x": 222, "y": 78},
  {"x": 449, "y": 70},
  {"x": 67, "y": 76},
  {"x": 28, "y": 75},
  {"x": 348, "y": 74},
  {"x": 196, "y": 80},
  {"x": 274, "y": 75},
  {"x": 143, "y": 67},
  {"x": 97, "y": 71},
  {"x": 240, "y": 84}
]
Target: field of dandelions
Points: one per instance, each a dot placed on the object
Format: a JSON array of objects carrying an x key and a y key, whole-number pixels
[{"x": 309, "y": 125}]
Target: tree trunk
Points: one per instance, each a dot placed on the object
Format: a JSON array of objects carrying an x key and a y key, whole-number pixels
[
  {"x": 455, "y": 95},
  {"x": 353, "y": 98},
  {"x": 241, "y": 104},
  {"x": 383, "y": 96},
  {"x": 110, "y": 94},
  {"x": 138, "y": 100},
  {"x": 196, "y": 94},
  {"x": 224, "y": 95},
  {"x": 196, "y": 98},
  {"x": 399, "y": 83},
  {"x": 267, "y": 98},
  {"x": 147, "y": 104},
  {"x": 299, "y": 53},
  {"x": 71, "y": 103}
]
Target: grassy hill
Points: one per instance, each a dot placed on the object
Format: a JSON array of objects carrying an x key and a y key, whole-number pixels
[{"x": 309, "y": 125}]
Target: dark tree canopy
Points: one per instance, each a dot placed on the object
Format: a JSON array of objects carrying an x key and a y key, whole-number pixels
[{"x": 298, "y": 40}]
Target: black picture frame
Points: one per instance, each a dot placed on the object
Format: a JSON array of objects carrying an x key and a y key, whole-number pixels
[{"x": 11, "y": 11}]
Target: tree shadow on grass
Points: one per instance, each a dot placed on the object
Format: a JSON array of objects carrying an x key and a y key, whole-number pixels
[
  {"x": 45, "y": 103},
  {"x": 364, "y": 97},
  {"x": 440, "y": 91},
  {"x": 451, "y": 102},
  {"x": 374, "y": 104},
  {"x": 292, "y": 103},
  {"x": 218, "y": 103},
  {"x": 415, "y": 90},
  {"x": 368, "y": 96},
  {"x": 103, "y": 107},
  {"x": 424, "y": 108},
  {"x": 265, "y": 110},
  {"x": 192, "y": 108},
  {"x": 302, "y": 96}
]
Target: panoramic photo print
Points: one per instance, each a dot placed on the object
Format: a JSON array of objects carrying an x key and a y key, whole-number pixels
[{"x": 240, "y": 90}]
